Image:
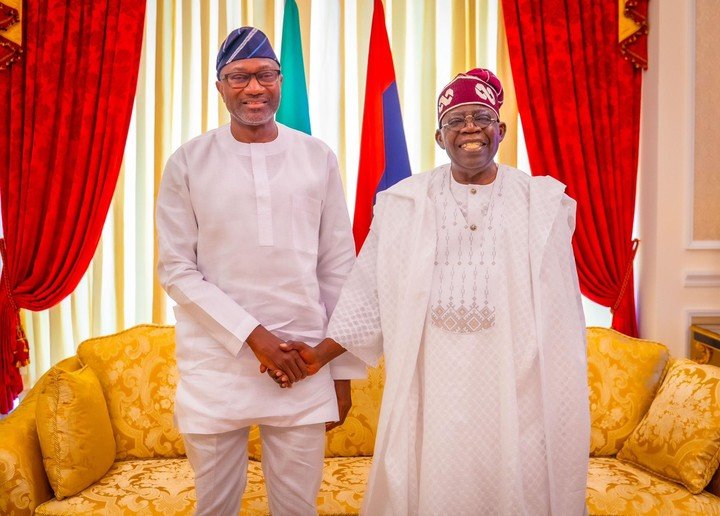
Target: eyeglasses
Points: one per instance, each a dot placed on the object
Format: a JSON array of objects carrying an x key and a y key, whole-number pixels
[
  {"x": 240, "y": 80},
  {"x": 479, "y": 120}
]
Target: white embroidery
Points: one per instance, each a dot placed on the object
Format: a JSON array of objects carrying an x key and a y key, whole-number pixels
[
  {"x": 462, "y": 284},
  {"x": 485, "y": 93},
  {"x": 445, "y": 100}
]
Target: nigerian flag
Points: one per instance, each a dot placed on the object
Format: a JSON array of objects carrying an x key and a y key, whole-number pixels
[{"x": 293, "y": 110}]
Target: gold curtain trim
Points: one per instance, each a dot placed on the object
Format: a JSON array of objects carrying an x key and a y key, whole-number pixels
[
  {"x": 10, "y": 43},
  {"x": 632, "y": 26}
]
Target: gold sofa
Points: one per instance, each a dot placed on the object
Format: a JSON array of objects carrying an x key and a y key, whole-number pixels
[
  {"x": 150, "y": 474},
  {"x": 655, "y": 429}
]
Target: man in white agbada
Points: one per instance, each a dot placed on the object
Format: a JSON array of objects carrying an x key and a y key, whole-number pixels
[
  {"x": 254, "y": 245},
  {"x": 467, "y": 284}
]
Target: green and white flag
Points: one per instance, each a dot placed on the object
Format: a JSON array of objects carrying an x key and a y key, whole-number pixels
[{"x": 293, "y": 111}]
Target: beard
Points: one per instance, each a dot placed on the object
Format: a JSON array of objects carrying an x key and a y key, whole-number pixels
[
  {"x": 254, "y": 117},
  {"x": 245, "y": 115}
]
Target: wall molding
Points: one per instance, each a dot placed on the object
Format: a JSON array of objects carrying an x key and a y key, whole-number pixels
[
  {"x": 702, "y": 279},
  {"x": 690, "y": 241},
  {"x": 699, "y": 244}
]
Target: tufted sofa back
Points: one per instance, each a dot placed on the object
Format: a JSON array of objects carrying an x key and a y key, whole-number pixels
[
  {"x": 138, "y": 375},
  {"x": 623, "y": 376}
]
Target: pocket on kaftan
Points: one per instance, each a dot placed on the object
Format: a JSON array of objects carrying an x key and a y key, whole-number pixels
[{"x": 306, "y": 223}]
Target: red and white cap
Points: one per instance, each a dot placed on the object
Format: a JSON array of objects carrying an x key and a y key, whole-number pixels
[{"x": 476, "y": 86}]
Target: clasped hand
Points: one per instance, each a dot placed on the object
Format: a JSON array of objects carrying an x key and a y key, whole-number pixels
[
  {"x": 308, "y": 356},
  {"x": 312, "y": 360},
  {"x": 273, "y": 356}
]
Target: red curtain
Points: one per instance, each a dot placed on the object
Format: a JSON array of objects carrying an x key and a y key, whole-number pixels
[
  {"x": 579, "y": 100},
  {"x": 63, "y": 126}
]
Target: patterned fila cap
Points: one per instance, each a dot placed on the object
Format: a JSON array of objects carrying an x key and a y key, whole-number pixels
[
  {"x": 477, "y": 86},
  {"x": 244, "y": 43}
]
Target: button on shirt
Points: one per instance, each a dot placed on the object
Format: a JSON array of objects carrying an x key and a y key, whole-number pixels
[
  {"x": 473, "y": 201},
  {"x": 252, "y": 234}
]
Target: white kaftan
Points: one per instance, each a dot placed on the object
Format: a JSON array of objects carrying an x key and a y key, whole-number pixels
[
  {"x": 485, "y": 403},
  {"x": 251, "y": 234}
]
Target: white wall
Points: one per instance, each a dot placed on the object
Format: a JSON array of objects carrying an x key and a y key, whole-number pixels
[{"x": 666, "y": 300}]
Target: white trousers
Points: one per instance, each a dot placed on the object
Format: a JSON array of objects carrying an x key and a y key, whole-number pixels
[{"x": 292, "y": 464}]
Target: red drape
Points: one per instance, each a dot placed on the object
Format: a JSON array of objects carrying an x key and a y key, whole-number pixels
[
  {"x": 63, "y": 126},
  {"x": 579, "y": 101}
]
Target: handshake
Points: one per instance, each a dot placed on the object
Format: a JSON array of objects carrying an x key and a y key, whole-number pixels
[
  {"x": 300, "y": 362},
  {"x": 291, "y": 361}
]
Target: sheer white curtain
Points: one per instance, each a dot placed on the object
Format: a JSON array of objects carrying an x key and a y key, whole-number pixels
[{"x": 176, "y": 100}]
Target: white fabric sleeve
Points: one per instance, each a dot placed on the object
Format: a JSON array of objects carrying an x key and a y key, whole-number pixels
[
  {"x": 177, "y": 229},
  {"x": 355, "y": 324},
  {"x": 336, "y": 256}
]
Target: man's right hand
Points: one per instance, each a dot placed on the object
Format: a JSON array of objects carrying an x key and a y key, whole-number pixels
[
  {"x": 268, "y": 350},
  {"x": 311, "y": 356}
]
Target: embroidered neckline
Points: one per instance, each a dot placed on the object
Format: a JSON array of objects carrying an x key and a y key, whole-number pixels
[{"x": 467, "y": 316}]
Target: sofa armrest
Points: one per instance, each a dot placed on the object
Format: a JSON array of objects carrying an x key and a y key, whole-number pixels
[{"x": 23, "y": 483}]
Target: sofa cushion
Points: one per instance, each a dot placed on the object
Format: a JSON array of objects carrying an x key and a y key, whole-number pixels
[
  {"x": 154, "y": 486},
  {"x": 341, "y": 492},
  {"x": 679, "y": 438},
  {"x": 74, "y": 430},
  {"x": 165, "y": 486},
  {"x": 618, "y": 488},
  {"x": 138, "y": 374},
  {"x": 623, "y": 376}
]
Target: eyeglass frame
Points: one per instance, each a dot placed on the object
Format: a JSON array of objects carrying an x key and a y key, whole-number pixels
[
  {"x": 473, "y": 117},
  {"x": 250, "y": 77}
]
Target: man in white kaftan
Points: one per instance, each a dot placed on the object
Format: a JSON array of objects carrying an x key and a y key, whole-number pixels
[
  {"x": 254, "y": 244},
  {"x": 467, "y": 285}
]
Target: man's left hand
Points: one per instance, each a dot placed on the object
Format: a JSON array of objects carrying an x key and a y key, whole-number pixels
[{"x": 344, "y": 399}]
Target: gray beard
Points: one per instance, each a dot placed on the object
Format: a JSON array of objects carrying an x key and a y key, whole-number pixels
[{"x": 254, "y": 120}]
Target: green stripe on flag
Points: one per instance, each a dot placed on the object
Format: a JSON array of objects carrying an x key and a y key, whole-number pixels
[{"x": 293, "y": 111}]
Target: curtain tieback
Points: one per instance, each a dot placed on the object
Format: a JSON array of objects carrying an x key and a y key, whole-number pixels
[
  {"x": 628, "y": 273},
  {"x": 21, "y": 352}
]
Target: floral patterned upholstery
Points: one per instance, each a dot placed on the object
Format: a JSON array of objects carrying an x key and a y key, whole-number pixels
[
  {"x": 138, "y": 373},
  {"x": 151, "y": 486},
  {"x": 679, "y": 438},
  {"x": 341, "y": 492},
  {"x": 23, "y": 482},
  {"x": 618, "y": 488},
  {"x": 356, "y": 437},
  {"x": 623, "y": 376},
  {"x": 136, "y": 369},
  {"x": 165, "y": 487}
]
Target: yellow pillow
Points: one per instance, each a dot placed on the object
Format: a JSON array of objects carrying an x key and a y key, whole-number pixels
[
  {"x": 679, "y": 439},
  {"x": 74, "y": 430},
  {"x": 623, "y": 376}
]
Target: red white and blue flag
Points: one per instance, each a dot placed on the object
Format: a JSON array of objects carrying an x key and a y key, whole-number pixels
[{"x": 383, "y": 152}]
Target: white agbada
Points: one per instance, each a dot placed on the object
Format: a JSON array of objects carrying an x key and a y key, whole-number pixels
[
  {"x": 485, "y": 403},
  {"x": 251, "y": 234}
]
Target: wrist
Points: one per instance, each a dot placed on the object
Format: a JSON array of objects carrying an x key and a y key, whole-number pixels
[
  {"x": 260, "y": 338},
  {"x": 252, "y": 339},
  {"x": 328, "y": 349}
]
